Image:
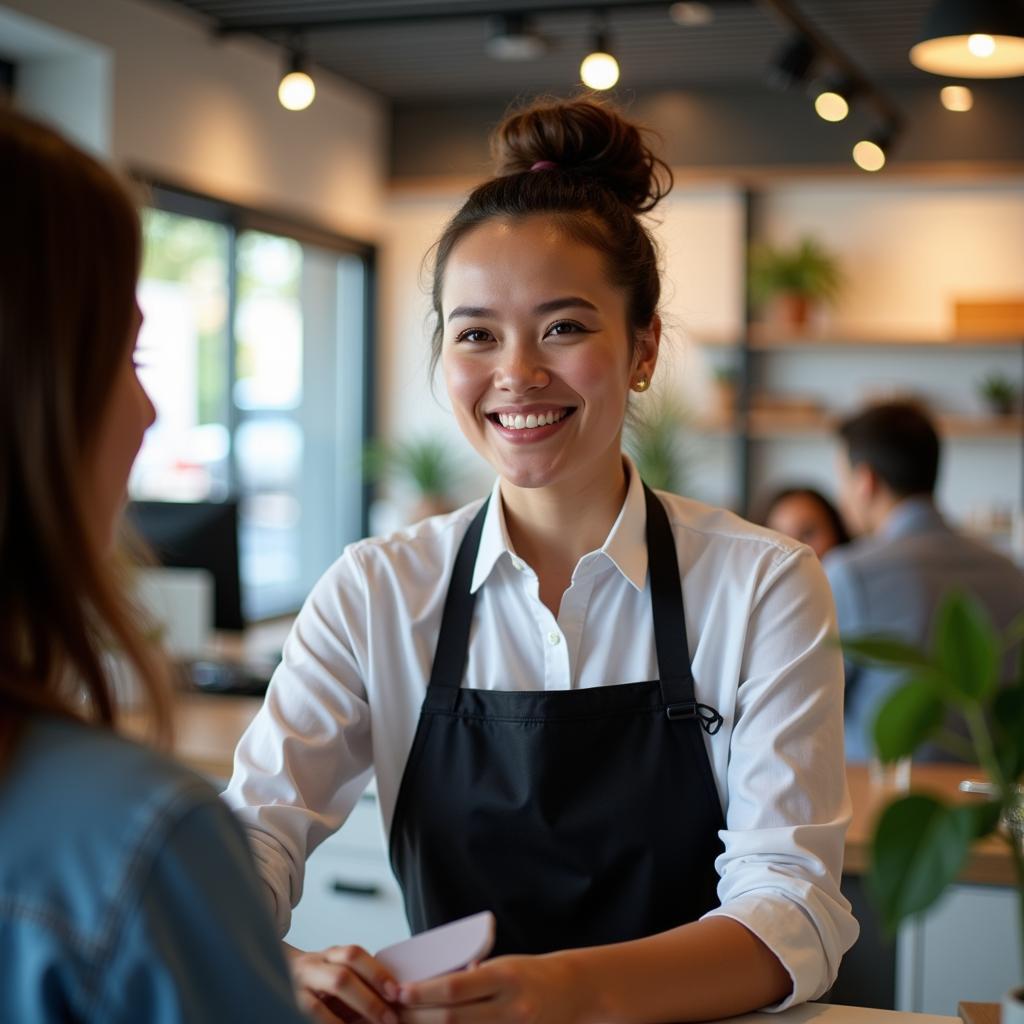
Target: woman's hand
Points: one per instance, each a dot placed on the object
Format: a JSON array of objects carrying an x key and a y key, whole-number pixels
[
  {"x": 342, "y": 983},
  {"x": 507, "y": 990}
]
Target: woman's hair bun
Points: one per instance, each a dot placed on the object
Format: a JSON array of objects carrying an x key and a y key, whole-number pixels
[{"x": 585, "y": 137}]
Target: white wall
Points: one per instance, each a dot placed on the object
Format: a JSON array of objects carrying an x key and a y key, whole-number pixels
[
  {"x": 909, "y": 247},
  {"x": 204, "y": 113}
]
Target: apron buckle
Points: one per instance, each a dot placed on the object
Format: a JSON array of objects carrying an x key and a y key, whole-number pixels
[{"x": 710, "y": 719}]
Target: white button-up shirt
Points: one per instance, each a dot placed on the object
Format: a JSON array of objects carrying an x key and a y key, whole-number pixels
[{"x": 346, "y": 699}]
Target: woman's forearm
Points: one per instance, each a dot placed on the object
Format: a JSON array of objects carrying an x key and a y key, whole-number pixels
[{"x": 701, "y": 971}]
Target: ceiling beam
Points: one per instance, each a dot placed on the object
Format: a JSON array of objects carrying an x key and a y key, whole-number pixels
[{"x": 451, "y": 11}]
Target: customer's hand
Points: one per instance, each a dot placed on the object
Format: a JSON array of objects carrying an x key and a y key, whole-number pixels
[
  {"x": 342, "y": 983},
  {"x": 506, "y": 990}
]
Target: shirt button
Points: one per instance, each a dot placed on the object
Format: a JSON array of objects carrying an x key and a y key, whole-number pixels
[
  {"x": 554, "y": 639},
  {"x": 517, "y": 565}
]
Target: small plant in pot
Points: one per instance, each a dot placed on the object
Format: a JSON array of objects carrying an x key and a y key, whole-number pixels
[
  {"x": 654, "y": 440},
  {"x": 425, "y": 465},
  {"x": 999, "y": 393},
  {"x": 921, "y": 843},
  {"x": 793, "y": 279}
]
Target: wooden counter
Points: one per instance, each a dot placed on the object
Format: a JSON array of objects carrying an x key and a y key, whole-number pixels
[
  {"x": 990, "y": 862},
  {"x": 208, "y": 727}
]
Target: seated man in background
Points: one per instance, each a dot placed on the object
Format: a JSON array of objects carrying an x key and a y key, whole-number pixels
[{"x": 893, "y": 578}]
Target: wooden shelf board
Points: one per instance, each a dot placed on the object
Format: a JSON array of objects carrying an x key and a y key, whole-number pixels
[
  {"x": 765, "y": 424},
  {"x": 771, "y": 339}
]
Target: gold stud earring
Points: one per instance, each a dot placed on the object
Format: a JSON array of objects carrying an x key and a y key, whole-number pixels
[{"x": 641, "y": 384}]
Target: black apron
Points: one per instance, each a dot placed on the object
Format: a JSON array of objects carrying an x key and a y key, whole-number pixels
[{"x": 579, "y": 817}]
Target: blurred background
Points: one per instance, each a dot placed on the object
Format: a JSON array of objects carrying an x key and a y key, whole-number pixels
[{"x": 810, "y": 264}]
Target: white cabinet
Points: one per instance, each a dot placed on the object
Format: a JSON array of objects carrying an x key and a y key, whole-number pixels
[
  {"x": 966, "y": 948},
  {"x": 350, "y": 895}
]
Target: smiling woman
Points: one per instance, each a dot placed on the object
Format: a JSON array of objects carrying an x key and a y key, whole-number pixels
[{"x": 610, "y": 716}]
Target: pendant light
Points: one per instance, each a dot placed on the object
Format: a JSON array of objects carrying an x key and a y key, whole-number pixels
[
  {"x": 972, "y": 39},
  {"x": 513, "y": 39},
  {"x": 599, "y": 70},
  {"x": 296, "y": 90}
]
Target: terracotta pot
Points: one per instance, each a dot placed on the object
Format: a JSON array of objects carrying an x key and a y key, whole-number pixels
[
  {"x": 793, "y": 310},
  {"x": 725, "y": 399}
]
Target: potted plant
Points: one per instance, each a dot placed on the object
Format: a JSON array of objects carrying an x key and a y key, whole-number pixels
[
  {"x": 426, "y": 465},
  {"x": 655, "y": 443},
  {"x": 999, "y": 393},
  {"x": 921, "y": 843},
  {"x": 793, "y": 279}
]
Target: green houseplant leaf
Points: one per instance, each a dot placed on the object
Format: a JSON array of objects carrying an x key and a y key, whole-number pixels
[
  {"x": 884, "y": 650},
  {"x": 1008, "y": 730},
  {"x": 911, "y": 715},
  {"x": 656, "y": 443},
  {"x": 967, "y": 648},
  {"x": 920, "y": 847}
]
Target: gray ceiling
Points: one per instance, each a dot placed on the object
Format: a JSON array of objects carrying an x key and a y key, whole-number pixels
[{"x": 411, "y": 54}]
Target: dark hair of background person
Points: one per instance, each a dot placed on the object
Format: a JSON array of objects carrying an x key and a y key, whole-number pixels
[
  {"x": 68, "y": 269},
  {"x": 898, "y": 441},
  {"x": 831, "y": 513},
  {"x": 603, "y": 176}
]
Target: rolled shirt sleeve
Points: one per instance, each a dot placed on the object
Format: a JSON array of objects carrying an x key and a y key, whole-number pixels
[
  {"x": 788, "y": 806},
  {"x": 307, "y": 755}
]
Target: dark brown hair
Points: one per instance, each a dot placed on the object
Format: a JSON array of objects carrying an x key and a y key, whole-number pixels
[
  {"x": 767, "y": 507},
  {"x": 899, "y": 442},
  {"x": 604, "y": 175},
  {"x": 68, "y": 270}
]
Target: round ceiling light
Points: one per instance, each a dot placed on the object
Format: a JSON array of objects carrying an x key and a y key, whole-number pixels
[{"x": 972, "y": 39}]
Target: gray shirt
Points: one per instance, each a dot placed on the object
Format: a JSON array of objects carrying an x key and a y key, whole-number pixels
[{"x": 893, "y": 582}]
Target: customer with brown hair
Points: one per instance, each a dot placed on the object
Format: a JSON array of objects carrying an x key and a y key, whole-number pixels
[
  {"x": 806, "y": 515},
  {"x": 610, "y": 716},
  {"x": 126, "y": 889}
]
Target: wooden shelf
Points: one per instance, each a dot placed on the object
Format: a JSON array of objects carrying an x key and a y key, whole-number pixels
[
  {"x": 766, "y": 339},
  {"x": 767, "y": 424}
]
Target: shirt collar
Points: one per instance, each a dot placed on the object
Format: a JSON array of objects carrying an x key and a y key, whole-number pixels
[
  {"x": 493, "y": 539},
  {"x": 625, "y": 546},
  {"x": 912, "y": 515}
]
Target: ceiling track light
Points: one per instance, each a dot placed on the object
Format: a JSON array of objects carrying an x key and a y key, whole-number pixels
[
  {"x": 833, "y": 97},
  {"x": 870, "y": 154},
  {"x": 972, "y": 39},
  {"x": 296, "y": 90},
  {"x": 599, "y": 70},
  {"x": 792, "y": 64},
  {"x": 514, "y": 40}
]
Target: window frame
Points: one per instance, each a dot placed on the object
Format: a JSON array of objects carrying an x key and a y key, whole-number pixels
[{"x": 171, "y": 197}]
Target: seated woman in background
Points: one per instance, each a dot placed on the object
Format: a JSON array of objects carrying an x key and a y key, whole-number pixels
[
  {"x": 126, "y": 888},
  {"x": 806, "y": 515}
]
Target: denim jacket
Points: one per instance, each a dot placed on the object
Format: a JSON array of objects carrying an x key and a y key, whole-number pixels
[{"x": 127, "y": 891}]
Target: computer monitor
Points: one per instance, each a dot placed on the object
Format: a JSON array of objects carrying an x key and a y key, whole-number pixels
[{"x": 197, "y": 535}]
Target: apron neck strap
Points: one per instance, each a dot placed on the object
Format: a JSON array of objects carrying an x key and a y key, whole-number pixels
[
  {"x": 453, "y": 642},
  {"x": 675, "y": 674}
]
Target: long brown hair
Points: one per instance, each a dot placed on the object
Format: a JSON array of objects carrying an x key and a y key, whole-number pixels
[{"x": 69, "y": 262}]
